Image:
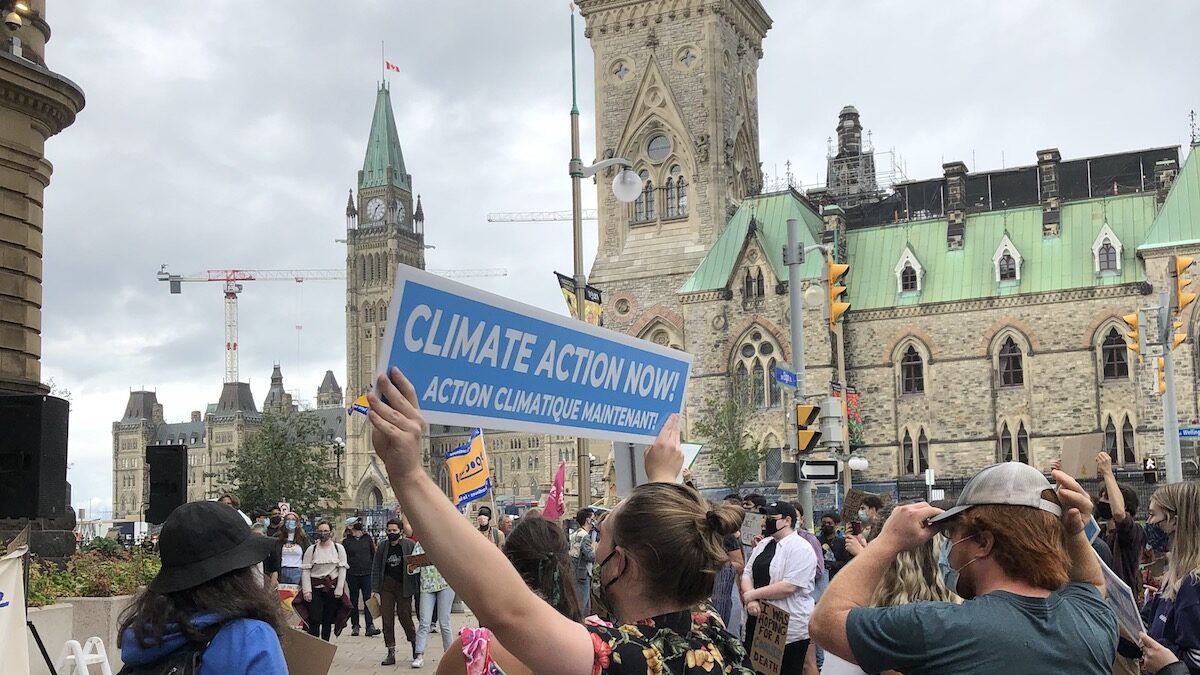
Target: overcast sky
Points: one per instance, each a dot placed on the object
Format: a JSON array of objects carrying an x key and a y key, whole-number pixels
[{"x": 226, "y": 134}]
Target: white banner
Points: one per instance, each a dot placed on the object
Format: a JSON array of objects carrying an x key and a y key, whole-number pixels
[{"x": 14, "y": 639}]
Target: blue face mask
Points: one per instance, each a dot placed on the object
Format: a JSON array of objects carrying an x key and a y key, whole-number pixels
[
  {"x": 1157, "y": 538},
  {"x": 949, "y": 574},
  {"x": 862, "y": 516},
  {"x": 291, "y": 524}
]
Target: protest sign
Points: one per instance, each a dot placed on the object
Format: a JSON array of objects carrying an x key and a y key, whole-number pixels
[
  {"x": 629, "y": 464},
  {"x": 470, "y": 477},
  {"x": 752, "y": 526},
  {"x": 478, "y": 359},
  {"x": 1079, "y": 455},
  {"x": 305, "y": 654},
  {"x": 770, "y": 638},
  {"x": 14, "y": 647}
]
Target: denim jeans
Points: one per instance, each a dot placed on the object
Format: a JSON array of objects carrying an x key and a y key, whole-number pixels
[
  {"x": 445, "y": 599},
  {"x": 585, "y": 596},
  {"x": 289, "y": 575},
  {"x": 356, "y": 586}
]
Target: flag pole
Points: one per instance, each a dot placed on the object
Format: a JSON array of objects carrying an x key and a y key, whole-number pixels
[{"x": 382, "y": 58}]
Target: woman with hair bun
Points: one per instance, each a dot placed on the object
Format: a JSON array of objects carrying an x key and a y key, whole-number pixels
[{"x": 660, "y": 551}]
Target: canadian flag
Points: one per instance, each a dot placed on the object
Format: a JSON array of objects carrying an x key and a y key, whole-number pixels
[
  {"x": 391, "y": 66},
  {"x": 555, "y": 506}
]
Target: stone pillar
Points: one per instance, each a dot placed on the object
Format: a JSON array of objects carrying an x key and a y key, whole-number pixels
[
  {"x": 956, "y": 203},
  {"x": 1048, "y": 161},
  {"x": 1164, "y": 177},
  {"x": 35, "y": 104}
]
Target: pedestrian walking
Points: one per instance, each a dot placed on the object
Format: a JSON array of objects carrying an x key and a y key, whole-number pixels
[
  {"x": 206, "y": 602},
  {"x": 360, "y": 555},
  {"x": 539, "y": 552},
  {"x": 394, "y": 587},
  {"x": 436, "y": 595},
  {"x": 1173, "y": 616},
  {"x": 781, "y": 571},
  {"x": 584, "y": 556},
  {"x": 833, "y": 543},
  {"x": 290, "y": 552},
  {"x": 659, "y": 551},
  {"x": 1016, "y": 552},
  {"x": 323, "y": 583}
]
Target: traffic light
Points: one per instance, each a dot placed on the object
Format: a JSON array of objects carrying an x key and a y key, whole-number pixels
[
  {"x": 1162, "y": 376},
  {"x": 836, "y": 307},
  {"x": 1181, "y": 297},
  {"x": 1179, "y": 337},
  {"x": 1132, "y": 335},
  {"x": 806, "y": 416}
]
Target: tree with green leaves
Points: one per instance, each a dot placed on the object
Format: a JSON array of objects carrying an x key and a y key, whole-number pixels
[
  {"x": 285, "y": 460},
  {"x": 722, "y": 422}
]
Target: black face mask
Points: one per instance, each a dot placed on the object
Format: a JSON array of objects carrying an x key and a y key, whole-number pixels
[
  {"x": 393, "y": 537},
  {"x": 828, "y": 530},
  {"x": 275, "y": 520},
  {"x": 770, "y": 527},
  {"x": 1104, "y": 510}
]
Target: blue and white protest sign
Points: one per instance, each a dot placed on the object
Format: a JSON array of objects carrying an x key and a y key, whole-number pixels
[{"x": 481, "y": 360}]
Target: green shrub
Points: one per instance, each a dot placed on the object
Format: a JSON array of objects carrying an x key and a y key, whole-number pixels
[{"x": 98, "y": 572}]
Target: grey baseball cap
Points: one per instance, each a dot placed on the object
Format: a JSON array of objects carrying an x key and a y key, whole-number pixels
[{"x": 1007, "y": 484}]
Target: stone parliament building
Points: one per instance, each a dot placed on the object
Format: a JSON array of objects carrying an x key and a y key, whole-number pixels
[{"x": 985, "y": 321}]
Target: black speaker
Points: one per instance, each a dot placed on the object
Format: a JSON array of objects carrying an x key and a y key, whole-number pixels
[
  {"x": 33, "y": 456},
  {"x": 168, "y": 480}
]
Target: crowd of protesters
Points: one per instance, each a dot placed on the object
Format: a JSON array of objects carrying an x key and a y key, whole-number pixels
[{"x": 1008, "y": 578}]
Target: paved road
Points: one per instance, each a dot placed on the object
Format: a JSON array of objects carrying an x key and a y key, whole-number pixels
[{"x": 361, "y": 655}]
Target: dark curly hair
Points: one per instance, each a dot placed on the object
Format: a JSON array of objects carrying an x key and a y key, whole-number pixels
[
  {"x": 234, "y": 595},
  {"x": 537, "y": 549}
]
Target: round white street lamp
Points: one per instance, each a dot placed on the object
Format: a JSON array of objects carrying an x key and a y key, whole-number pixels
[
  {"x": 858, "y": 464},
  {"x": 814, "y": 296},
  {"x": 627, "y": 186}
]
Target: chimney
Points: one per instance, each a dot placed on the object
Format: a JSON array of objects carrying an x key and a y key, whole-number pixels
[
  {"x": 157, "y": 415},
  {"x": 1165, "y": 172},
  {"x": 956, "y": 203},
  {"x": 835, "y": 230},
  {"x": 196, "y": 416},
  {"x": 1048, "y": 161}
]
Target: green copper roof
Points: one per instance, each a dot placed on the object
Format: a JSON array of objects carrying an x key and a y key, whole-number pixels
[
  {"x": 1048, "y": 263},
  {"x": 1179, "y": 221},
  {"x": 383, "y": 148},
  {"x": 771, "y": 213}
]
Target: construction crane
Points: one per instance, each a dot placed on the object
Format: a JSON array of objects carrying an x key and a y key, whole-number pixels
[
  {"x": 231, "y": 280},
  {"x": 536, "y": 216}
]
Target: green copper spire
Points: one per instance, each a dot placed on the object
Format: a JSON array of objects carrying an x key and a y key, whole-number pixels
[{"x": 383, "y": 148}]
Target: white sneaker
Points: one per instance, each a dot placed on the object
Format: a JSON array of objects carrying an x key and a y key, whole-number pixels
[{"x": 418, "y": 662}]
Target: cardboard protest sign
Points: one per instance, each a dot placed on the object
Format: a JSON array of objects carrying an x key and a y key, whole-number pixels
[
  {"x": 1079, "y": 455},
  {"x": 852, "y": 502},
  {"x": 478, "y": 359},
  {"x": 752, "y": 527},
  {"x": 415, "y": 561},
  {"x": 770, "y": 638},
  {"x": 305, "y": 654}
]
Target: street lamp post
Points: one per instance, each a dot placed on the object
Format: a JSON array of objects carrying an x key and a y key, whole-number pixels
[
  {"x": 339, "y": 449},
  {"x": 626, "y": 188}
]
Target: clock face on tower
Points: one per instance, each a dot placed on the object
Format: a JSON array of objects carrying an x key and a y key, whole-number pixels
[
  {"x": 401, "y": 213},
  {"x": 375, "y": 210}
]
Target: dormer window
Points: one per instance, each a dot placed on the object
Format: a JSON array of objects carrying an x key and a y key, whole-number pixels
[
  {"x": 1106, "y": 252},
  {"x": 1008, "y": 267},
  {"x": 1007, "y": 260},
  {"x": 909, "y": 272},
  {"x": 908, "y": 279}
]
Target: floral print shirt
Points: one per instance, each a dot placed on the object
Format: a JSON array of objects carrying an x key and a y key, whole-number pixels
[
  {"x": 682, "y": 643},
  {"x": 431, "y": 579}
]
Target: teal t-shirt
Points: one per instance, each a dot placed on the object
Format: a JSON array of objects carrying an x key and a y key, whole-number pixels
[{"x": 1071, "y": 631}]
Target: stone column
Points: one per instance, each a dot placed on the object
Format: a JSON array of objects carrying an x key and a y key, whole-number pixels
[{"x": 35, "y": 103}]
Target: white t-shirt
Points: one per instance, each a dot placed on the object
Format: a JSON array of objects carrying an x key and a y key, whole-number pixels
[
  {"x": 291, "y": 556},
  {"x": 796, "y": 563}
]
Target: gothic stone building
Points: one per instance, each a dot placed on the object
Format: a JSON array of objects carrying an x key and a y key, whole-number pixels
[{"x": 985, "y": 321}]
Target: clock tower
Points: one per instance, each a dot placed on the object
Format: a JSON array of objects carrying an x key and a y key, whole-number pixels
[{"x": 383, "y": 229}]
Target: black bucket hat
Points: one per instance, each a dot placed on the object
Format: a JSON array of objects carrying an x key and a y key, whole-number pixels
[{"x": 203, "y": 540}]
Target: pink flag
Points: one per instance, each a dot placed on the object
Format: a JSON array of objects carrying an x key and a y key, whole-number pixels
[
  {"x": 555, "y": 506},
  {"x": 391, "y": 66}
]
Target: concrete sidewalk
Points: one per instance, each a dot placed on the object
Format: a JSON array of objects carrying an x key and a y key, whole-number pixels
[{"x": 361, "y": 655}]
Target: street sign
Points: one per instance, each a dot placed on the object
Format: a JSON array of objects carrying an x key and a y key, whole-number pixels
[
  {"x": 929, "y": 477},
  {"x": 819, "y": 469},
  {"x": 785, "y": 377},
  {"x": 1154, "y": 350},
  {"x": 1189, "y": 432}
]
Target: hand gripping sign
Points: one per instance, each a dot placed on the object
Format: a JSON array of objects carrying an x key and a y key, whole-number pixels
[{"x": 477, "y": 359}]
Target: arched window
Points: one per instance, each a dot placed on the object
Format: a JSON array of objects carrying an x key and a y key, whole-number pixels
[
  {"x": 681, "y": 189},
  {"x": 906, "y": 453},
  {"x": 753, "y": 369},
  {"x": 748, "y": 286},
  {"x": 670, "y": 196},
  {"x": 1128, "y": 451},
  {"x": 1005, "y": 451},
  {"x": 650, "y": 213},
  {"x": 639, "y": 204},
  {"x": 1110, "y": 441},
  {"x": 759, "y": 285},
  {"x": 1022, "y": 444},
  {"x": 1012, "y": 372},
  {"x": 912, "y": 372},
  {"x": 370, "y": 314},
  {"x": 1116, "y": 360},
  {"x": 1107, "y": 257},
  {"x": 1008, "y": 267},
  {"x": 756, "y": 386},
  {"x": 908, "y": 278},
  {"x": 362, "y": 269},
  {"x": 922, "y": 452}
]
